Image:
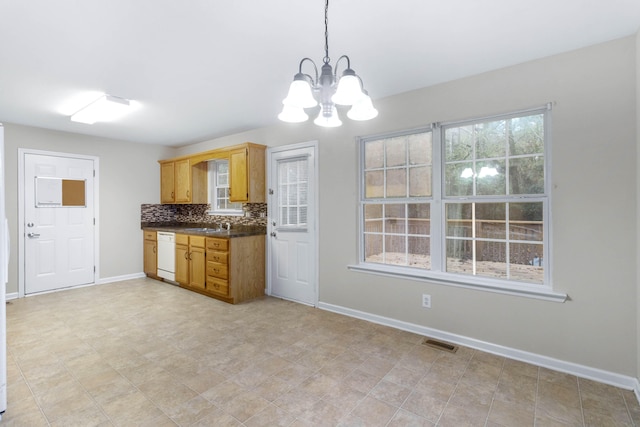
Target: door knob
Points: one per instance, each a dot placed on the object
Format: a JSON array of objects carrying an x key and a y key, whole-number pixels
[
  {"x": 32, "y": 235},
  {"x": 273, "y": 234}
]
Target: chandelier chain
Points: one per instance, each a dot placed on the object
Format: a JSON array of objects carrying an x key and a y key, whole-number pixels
[{"x": 326, "y": 32}]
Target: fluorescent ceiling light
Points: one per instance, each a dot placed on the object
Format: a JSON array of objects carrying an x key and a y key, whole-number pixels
[{"x": 104, "y": 109}]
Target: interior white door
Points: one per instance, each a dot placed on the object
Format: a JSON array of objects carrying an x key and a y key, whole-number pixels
[
  {"x": 58, "y": 222},
  {"x": 292, "y": 224}
]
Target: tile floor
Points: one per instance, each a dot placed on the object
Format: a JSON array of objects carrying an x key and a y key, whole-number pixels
[{"x": 142, "y": 352}]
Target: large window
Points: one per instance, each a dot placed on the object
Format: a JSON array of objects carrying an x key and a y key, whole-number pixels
[
  {"x": 219, "y": 189},
  {"x": 463, "y": 203}
]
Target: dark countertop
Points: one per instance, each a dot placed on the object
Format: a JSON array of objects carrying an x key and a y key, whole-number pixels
[{"x": 188, "y": 228}]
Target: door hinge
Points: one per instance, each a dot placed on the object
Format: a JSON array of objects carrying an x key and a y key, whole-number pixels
[
  {"x": 271, "y": 191},
  {"x": 94, "y": 221},
  {"x": 94, "y": 268},
  {"x": 94, "y": 173}
]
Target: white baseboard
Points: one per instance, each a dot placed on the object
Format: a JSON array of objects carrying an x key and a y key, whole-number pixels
[
  {"x": 104, "y": 280},
  {"x": 606, "y": 377}
]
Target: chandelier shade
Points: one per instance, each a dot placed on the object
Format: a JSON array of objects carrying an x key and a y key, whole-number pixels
[
  {"x": 327, "y": 90},
  {"x": 362, "y": 109},
  {"x": 300, "y": 95},
  {"x": 292, "y": 114}
]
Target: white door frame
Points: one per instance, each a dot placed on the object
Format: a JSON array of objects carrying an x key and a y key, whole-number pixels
[
  {"x": 21, "y": 233},
  {"x": 315, "y": 231}
]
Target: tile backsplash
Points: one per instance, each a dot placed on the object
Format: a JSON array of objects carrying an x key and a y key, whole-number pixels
[{"x": 254, "y": 214}]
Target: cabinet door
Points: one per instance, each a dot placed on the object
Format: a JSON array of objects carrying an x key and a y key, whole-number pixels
[
  {"x": 183, "y": 181},
  {"x": 198, "y": 268},
  {"x": 167, "y": 183},
  {"x": 238, "y": 186},
  {"x": 150, "y": 258},
  {"x": 182, "y": 264}
]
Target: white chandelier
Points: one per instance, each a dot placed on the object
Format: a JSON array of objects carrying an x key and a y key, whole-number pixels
[{"x": 307, "y": 92}]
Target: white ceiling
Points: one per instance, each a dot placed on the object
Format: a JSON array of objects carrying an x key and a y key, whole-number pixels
[{"x": 202, "y": 68}]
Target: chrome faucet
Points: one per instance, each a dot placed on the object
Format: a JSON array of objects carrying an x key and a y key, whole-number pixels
[{"x": 228, "y": 224}]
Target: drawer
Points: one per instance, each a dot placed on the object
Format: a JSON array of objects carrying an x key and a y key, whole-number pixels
[
  {"x": 218, "y": 257},
  {"x": 217, "y": 286},
  {"x": 182, "y": 239},
  {"x": 217, "y": 270},
  {"x": 197, "y": 241},
  {"x": 214, "y": 244},
  {"x": 150, "y": 235}
]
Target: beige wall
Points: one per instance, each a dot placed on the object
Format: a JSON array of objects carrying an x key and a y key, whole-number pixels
[
  {"x": 593, "y": 219},
  {"x": 129, "y": 176}
]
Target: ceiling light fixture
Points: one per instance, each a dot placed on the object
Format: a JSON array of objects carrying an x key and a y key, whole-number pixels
[
  {"x": 104, "y": 109},
  {"x": 307, "y": 92}
]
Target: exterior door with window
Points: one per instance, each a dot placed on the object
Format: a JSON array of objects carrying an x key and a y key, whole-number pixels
[{"x": 292, "y": 226}]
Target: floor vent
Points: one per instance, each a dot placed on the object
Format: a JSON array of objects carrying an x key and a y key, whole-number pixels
[{"x": 440, "y": 345}]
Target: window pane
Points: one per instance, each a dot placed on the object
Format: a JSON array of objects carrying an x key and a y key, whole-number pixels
[
  {"x": 526, "y": 261},
  {"x": 394, "y": 218},
  {"x": 491, "y": 140},
  {"x": 459, "y": 219},
  {"x": 490, "y": 178},
  {"x": 373, "y": 248},
  {"x": 396, "y": 183},
  {"x": 526, "y": 175},
  {"x": 491, "y": 259},
  {"x": 373, "y": 154},
  {"x": 490, "y": 220},
  {"x": 302, "y": 215},
  {"x": 419, "y": 252},
  {"x": 396, "y": 151},
  {"x": 292, "y": 196},
  {"x": 458, "y": 143},
  {"x": 419, "y": 219},
  {"x": 420, "y": 181},
  {"x": 459, "y": 256},
  {"x": 374, "y": 184},
  {"x": 526, "y": 135},
  {"x": 459, "y": 179},
  {"x": 420, "y": 148},
  {"x": 525, "y": 221},
  {"x": 395, "y": 251}
]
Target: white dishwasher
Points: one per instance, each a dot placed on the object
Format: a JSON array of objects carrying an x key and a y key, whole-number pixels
[{"x": 167, "y": 255}]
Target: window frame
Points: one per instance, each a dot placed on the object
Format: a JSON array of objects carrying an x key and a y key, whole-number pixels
[
  {"x": 438, "y": 202},
  {"x": 213, "y": 195}
]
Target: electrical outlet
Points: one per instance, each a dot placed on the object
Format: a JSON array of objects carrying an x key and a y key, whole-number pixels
[{"x": 426, "y": 301}]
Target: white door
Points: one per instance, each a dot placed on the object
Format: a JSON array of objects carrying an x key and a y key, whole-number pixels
[
  {"x": 292, "y": 228},
  {"x": 58, "y": 222}
]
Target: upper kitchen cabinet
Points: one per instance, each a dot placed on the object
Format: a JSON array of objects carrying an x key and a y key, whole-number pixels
[
  {"x": 184, "y": 179},
  {"x": 247, "y": 174},
  {"x": 181, "y": 181}
]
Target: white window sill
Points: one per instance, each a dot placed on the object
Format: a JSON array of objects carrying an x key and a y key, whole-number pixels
[{"x": 478, "y": 283}]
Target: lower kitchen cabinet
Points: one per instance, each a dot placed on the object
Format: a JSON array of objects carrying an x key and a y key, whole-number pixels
[
  {"x": 190, "y": 261},
  {"x": 236, "y": 268},
  {"x": 228, "y": 269},
  {"x": 150, "y": 263}
]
